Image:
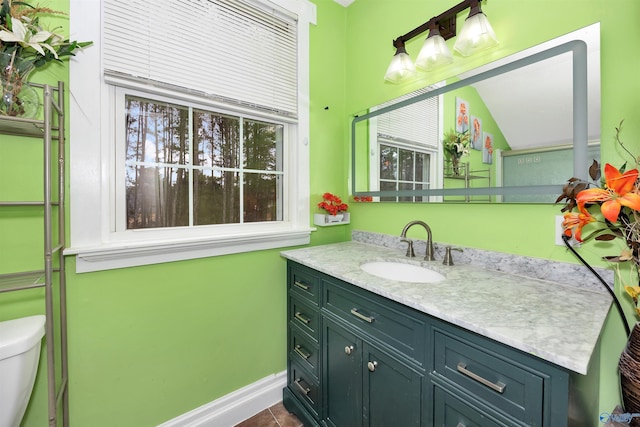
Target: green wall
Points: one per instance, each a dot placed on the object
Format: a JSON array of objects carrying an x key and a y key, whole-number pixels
[
  {"x": 519, "y": 229},
  {"x": 150, "y": 343}
]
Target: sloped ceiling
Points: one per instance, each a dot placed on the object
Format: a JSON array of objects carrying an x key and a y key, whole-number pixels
[{"x": 533, "y": 105}]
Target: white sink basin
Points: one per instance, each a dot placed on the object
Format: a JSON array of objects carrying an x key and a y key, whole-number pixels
[{"x": 402, "y": 272}]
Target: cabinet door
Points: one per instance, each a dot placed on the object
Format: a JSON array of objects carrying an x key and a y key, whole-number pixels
[
  {"x": 342, "y": 377},
  {"x": 393, "y": 391}
]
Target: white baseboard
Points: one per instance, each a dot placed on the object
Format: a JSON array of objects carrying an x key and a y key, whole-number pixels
[{"x": 235, "y": 407}]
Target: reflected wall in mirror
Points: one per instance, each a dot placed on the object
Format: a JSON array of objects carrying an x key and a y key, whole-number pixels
[{"x": 525, "y": 124}]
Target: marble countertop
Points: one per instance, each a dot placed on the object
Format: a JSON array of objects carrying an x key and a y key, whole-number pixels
[{"x": 558, "y": 323}]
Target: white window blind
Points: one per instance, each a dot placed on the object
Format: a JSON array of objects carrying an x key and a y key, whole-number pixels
[
  {"x": 422, "y": 115},
  {"x": 230, "y": 49}
]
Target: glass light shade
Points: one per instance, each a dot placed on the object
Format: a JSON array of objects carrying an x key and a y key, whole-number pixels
[
  {"x": 401, "y": 68},
  {"x": 476, "y": 35},
  {"x": 434, "y": 53}
]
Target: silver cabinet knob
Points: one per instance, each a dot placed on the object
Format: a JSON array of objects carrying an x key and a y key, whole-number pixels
[
  {"x": 348, "y": 349},
  {"x": 372, "y": 366}
]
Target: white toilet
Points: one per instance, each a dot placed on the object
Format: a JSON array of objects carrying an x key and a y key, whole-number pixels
[{"x": 19, "y": 354}]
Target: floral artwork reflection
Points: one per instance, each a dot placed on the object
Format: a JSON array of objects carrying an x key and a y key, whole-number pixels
[
  {"x": 487, "y": 149},
  {"x": 476, "y": 133},
  {"x": 462, "y": 115}
]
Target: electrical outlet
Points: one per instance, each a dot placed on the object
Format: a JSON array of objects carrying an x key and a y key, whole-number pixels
[{"x": 558, "y": 233}]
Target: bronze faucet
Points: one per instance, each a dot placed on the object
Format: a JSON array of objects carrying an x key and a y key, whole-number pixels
[{"x": 410, "y": 253}]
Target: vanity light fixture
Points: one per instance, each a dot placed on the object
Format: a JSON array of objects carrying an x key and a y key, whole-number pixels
[
  {"x": 401, "y": 67},
  {"x": 477, "y": 34},
  {"x": 434, "y": 52}
]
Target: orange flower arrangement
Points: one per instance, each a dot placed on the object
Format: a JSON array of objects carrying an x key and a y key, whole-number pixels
[
  {"x": 613, "y": 208},
  {"x": 332, "y": 204},
  {"x": 362, "y": 199}
]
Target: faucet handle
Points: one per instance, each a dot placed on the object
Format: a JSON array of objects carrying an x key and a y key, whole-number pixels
[
  {"x": 410, "y": 252},
  {"x": 448, "y": 259}
]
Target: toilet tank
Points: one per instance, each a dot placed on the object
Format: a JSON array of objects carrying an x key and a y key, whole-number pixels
[
  {"x": 19, "y": 335},
  {"x": 20, "y": 341}
]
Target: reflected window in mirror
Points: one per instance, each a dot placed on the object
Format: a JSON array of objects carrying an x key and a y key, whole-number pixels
[
  {"x": 406, "y": 157},
  {"x": 403, "y": 168}
]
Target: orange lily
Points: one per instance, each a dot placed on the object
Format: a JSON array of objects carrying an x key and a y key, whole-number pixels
[
  {"x": 619, "y": 191},
  {"x": 576, "y": 220}
]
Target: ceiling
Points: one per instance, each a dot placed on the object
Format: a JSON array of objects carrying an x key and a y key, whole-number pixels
[{"x": 344, "y": 3}]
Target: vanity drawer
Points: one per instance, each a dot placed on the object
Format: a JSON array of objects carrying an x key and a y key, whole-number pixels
[
  {"x": 304, "y": 282},
  {"x": 304, "y": 351},
  {"x": 304, "y": 386},
  {"x": 492, "y": 378},
  {"x": 389, "y": 322},
  {"x": 304, "y": 316},
  {"x": 449, "y": 411}
]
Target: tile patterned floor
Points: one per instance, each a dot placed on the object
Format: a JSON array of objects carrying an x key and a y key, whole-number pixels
[{"x": 275, "y": 416}]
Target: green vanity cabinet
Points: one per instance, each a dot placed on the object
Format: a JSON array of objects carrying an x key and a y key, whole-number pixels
[
  {"x": 342, "y": 392},
  {"x": 393, "y": 390},
  {"x": 479, "y": 382},
  {"x": 303, "y": 340},
  {"x": 452, "y": 411},
  {"x": 364, "y": 385},
  {"x": 356, "y": 358},
  {"x": 372, "y": 351}
]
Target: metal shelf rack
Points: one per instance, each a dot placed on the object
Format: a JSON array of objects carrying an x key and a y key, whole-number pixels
[
  {"x": 462, "y": 172},
  {"x": 50, "y": 129}
]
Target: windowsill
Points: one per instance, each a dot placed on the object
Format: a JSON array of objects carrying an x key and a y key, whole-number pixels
[{"x": 110, "y": 256}]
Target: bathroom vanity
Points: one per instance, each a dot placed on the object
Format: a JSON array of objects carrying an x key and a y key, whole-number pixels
[{"x": 480, "y": 348}]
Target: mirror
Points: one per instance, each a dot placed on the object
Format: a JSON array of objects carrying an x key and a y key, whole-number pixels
[{"x": 522, "y": 126}]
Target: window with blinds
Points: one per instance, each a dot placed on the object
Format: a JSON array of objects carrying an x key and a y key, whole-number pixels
[
  {"x": 422, "y": 115},
  {"x": 190, "y": 129},
  {"x": 404, "y": 145},
  {"x": 232, "y": 50}
]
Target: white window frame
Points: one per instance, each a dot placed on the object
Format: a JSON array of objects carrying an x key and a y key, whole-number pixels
[
  {"x": 121, "y": 233},
  {"x": 436, "y": 175},
  {"x": 92, "y": 165},
  {"x": 432, "y": 152}
]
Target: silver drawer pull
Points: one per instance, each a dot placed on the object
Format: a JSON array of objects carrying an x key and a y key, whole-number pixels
[
  {"x": 499, "y": 386},
  {"x": 304, "y": 390},
  {"x": 301, "y": 285},
  {"x": 348, "y": 349},
  {"x": 298, "y": 349},
  {"x": 372, "y": 366},
  {"x": 461, "y": 425},
  {"x": 361, "y": 316},
  {"x": 302, "y": 318}
]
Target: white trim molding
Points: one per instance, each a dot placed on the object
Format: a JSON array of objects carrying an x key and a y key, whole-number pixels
[
  {"x": 235, "y": 407},
  {"x": 121, "y": 255}
]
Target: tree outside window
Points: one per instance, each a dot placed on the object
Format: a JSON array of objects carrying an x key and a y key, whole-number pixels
[{"x": 192, "y": 167}]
